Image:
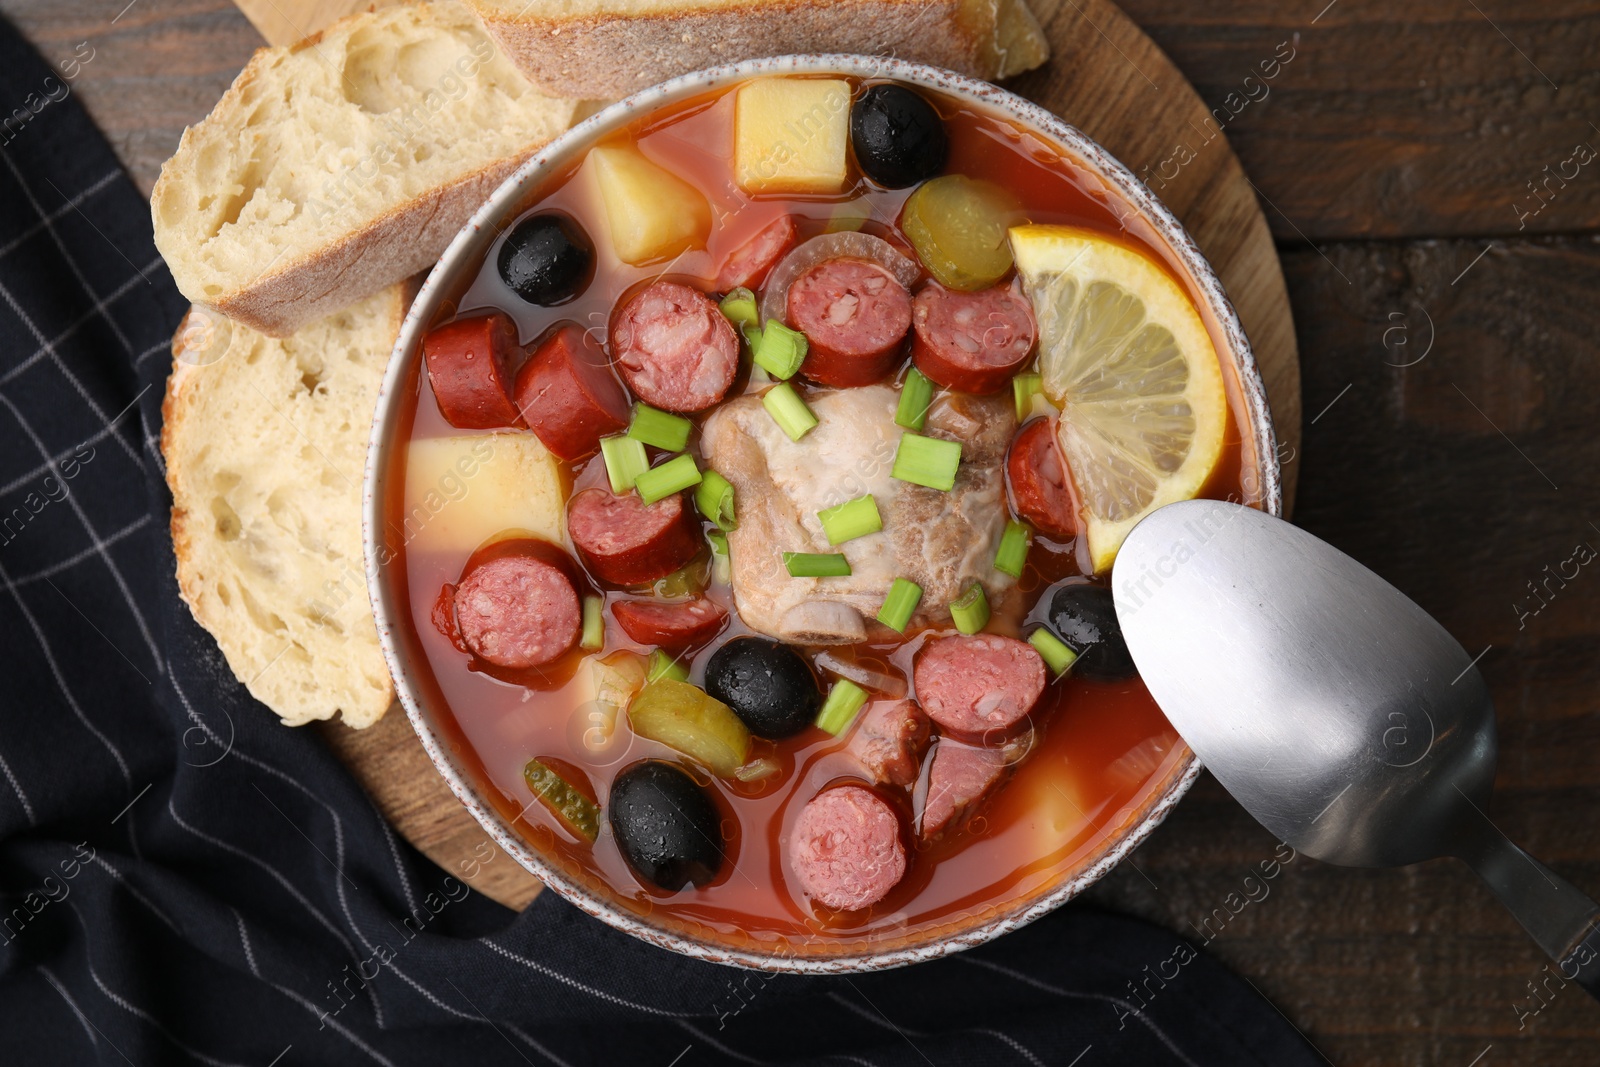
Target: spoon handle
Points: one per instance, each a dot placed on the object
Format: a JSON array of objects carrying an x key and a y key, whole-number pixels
[{"x": 1559, "y": 916}]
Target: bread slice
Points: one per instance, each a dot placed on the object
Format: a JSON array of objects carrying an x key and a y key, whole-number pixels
[
  {"x": 345, "y": 163},
  {"x": 265, "y": 442},
  {"x": 615, "y": 47}
]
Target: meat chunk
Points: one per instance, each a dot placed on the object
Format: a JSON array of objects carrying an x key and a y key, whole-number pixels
[
  {"x": 845, "y": 848},
  {"x": 670, "y": 624},
  {"x": 973, "y": 342},
  {"x": 961, "y": 776},
  {"x": 624, "y": 541},
  {"x": 941, "y": 541},
  {"x": 674, "y": 347},
  {"x": 889, "y": 740},
  {"x": 469, "y": 367},
  {"x": 854, "y": 314}
]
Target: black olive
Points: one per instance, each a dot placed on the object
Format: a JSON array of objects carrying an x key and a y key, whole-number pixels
[
  {"x": 768, "y": 685},
  {"x": 1085, "y": 617},
  {"x": 898, "y": 138},
  {"x": 668, "y": 829},
  {"x": 547, "y": 259}
]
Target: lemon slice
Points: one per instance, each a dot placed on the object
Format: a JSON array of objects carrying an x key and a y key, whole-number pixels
[{"x": 1125, "y": 356}]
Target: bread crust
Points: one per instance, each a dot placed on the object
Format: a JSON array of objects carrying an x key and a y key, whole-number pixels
[
  {"x": 292, "y": 292},
  {"x": 614, "y": 55},
  {"x": 401, "y": 242},
  {"x": 195, "y": 348}
]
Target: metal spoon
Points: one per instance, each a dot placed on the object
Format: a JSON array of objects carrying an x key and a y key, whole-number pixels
[{"x": 1338, "y": 712}]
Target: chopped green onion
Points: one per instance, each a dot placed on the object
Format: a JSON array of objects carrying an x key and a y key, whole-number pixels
[
  {"x": 928, "y": 461},
  {"x": 661, "y": 665},
  {"x": 739, "y": 307},
  {"x": 1054, "y": 651},
  {"x": 565, "y": 801},
  {"x": 900, "y": 604},
  {"x": 788, "y": 410},
  {"x": 816, "y": 565},
  {"x": 714, "y": 498},
  {"x": 625, "y": 461},
  {"x": 721, "y": 562},
  {"x": 1012, "y": 554},
  {"x": 673, "y": 476},
  {"x": 915, "y": 396},
  {"x": 594, "y": 623},
  {"x": 839, "y": 710},
  {"x": 850, "y": 520},
  {"x": 777, "y": 349},
  {"x": 970, "y": 610},
  {"x": 659, "y": 428},
  {"x": 1023, "y": 389}
]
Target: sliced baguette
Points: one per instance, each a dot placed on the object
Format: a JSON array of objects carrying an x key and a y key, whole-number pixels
[
  {"x": 344, "y": 164},
  {"x": 615, "y": 47},
  {"x": 265, "y": 441}
]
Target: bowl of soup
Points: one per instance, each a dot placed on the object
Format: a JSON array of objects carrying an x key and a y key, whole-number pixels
[{"x": 743, "y": 497}]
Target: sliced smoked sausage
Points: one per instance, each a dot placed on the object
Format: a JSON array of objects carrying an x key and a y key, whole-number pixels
[
  {"x": 625, "y": 542},
  {"x": 961, "y": 776},
  {"x": 469, "y": 367},
  {"x": 1040, "y": 489},
  {"x": 517, "y": 611},
  {"x": 569, "y": 396},
  {"x": 972, "y": 342},
  {"x": 975, "y": 684},
  {"x": 670, "y": 624},
  {"x": 854, "y": 314},
  {"x": 674, "y": 347},
  {"x": 749, "y": 264},
  {"x": 889, "y": 741},
  {"x": 846, "y": 848}
]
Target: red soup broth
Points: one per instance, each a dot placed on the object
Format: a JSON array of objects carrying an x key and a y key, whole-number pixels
[{"x": 1102, "y": 752}]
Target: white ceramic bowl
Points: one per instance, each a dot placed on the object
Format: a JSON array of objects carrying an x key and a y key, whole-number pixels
[{"x": 463, "y": 259}]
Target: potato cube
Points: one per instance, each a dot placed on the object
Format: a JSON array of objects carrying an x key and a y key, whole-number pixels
[
  {"x": 461, "y": 491},
  {"x": 651, "y": 214},
  {"x": 790, "y": 134}
]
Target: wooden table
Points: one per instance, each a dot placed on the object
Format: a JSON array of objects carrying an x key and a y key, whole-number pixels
[{"x": 1446, "y": 319}]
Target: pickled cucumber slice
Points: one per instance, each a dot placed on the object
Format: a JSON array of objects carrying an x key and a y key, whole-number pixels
[
  {"x": 564, "y": 799},
  {"x": 958, "y": 226},
  {"x": 686, "y": 718}
]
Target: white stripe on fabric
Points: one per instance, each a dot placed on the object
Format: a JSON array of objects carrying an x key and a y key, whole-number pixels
[
  {"x": 94, "y": 536},
  {"x": 877, "y": 1017},
  {"x": 537, "y": 1047},
  {"x": 132, "y": 1008},
  {"x": 78, "y": 557},
  {"x": 394, "y": 851},
  {"x": 244, "y": 941},
  {"x": 551, "y": 972},
  {"x": 48, "y": 347},
  {"x": 1027, "y": 979},
  {"x": 83, "y": 1020},
  {"x": 16, "y": 786},
  {"x": 61, "y": 683},
  {"x": 719, "y": 1046},
  {"x": 61, "y": 246},
  {"x": 94, "y": 187}
]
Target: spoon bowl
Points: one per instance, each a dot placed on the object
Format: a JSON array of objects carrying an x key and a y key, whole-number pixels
[{"x": 1341, "y": 715}]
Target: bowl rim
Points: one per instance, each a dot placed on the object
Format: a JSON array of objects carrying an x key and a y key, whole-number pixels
[{"x": 457, "y": 256}]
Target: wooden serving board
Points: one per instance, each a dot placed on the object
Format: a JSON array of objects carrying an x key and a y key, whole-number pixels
[{"x": 1108, "y": 79}]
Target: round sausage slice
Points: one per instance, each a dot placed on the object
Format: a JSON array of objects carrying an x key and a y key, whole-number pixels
[
  {"x": 846, "y": 848},
  {"x": 749, "y": 264},
  {"x": 1040, "y": 488},
  {"x": 974, "y": 684},
  {"x": 973, "y": 342},
  {"x": 854, "y": 314},
  {"x": 625, "y": 542},
  {"x": 569, "y": 396},
  {"x": 672, "y": 625},
  {"x": 517, "y": 611},
  {"x": 674, "y": 347},
  {"x": 469, "y": 367}
]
